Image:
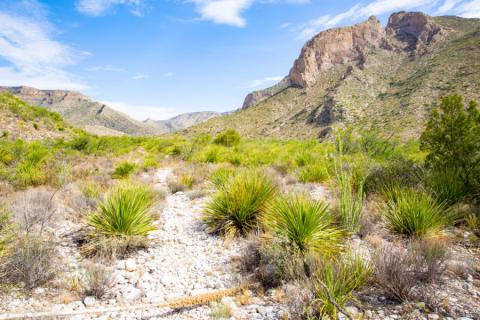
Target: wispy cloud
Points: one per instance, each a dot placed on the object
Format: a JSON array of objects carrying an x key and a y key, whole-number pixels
[
  {"x": 31, "y": 54},
  {"x": 97, "y": 8},
  {"x": 142, "y": 112},
  {"x": 141, "y": 76},
  {"x": 469, "y": 9},
  {"x": 230, "y": 12},
  {"x": 260, "y": 82},
  {"x": 107, "y": 68}
]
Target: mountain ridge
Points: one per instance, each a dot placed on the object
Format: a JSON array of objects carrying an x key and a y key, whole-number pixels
[{"x": 365, "y": 75}]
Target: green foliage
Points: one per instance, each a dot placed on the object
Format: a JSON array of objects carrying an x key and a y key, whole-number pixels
[
  {"x": 305, "y": 224},
  {"x": 399, "y": 172},
  {"x": 238, "y": 206},
  {"x": 414, "y": 213},
  {"x": 123, "y": 170},
  {"x": 447, "y": 185},
  {"x": 376, "y": 146},
  {"x": 314, "y": 172},
  {"x": 452, "y": 138},
  {"x": 5, "y": 230},
  {"x": 219, "y": 177},
  {"x": 350, "y": 200},
  {"x": 123, "y": 220},
  {"x": 228, "y": 138},
  {"x": 339, "y": 279}
]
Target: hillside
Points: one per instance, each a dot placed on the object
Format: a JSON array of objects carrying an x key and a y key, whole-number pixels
[
  {"x": 181, "y": 121},
  {"x": 18, "y": 120},
  {"x": 82, "y": 112},
  {"x": 367, "y": 76}
]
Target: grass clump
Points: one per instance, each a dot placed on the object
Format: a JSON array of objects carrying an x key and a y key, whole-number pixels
[
  {"x": 313, "y": 172},
  {"x": 350, "y": 201},
  {"x": 237, "y": 207},
  {"x": 305, "y": 224},
  {"x": 122, "y": 221},
  {"x": 446, "y": 185},
  {"x": 337, "y": 280},
  {"x": 221, "y": 176},
  {"x": 123, "y": 170},
  {"x": 415, "y": 213}
]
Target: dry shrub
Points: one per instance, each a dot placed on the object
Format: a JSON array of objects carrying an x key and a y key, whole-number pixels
[
  {"x": 393, "y": 272},
  {"x": 272, "y": 262},
  {"x": 97, "y": 280},
  {"x": 298, "y": 297},
  {"x": 197, "y": 194},
  {"x": 399, "y": 271},
  {"x": 31, "y": 261},
  {"x": 34, "y": 210}
]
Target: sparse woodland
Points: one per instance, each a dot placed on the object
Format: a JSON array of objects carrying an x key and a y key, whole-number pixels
[{"x": 359, "y": 226}]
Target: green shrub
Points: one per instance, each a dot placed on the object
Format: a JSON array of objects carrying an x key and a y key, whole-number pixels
[
  {"x": 219, "y": 177},
  {"x": 337, "y": 280},
  {"x": 238, "y": 206},
  {"x": 446, "y": 185},
  {"x": 124, "y": 219},
  {"x": 228, "y": 138},
  {"x": 452, "y": 138},
  {"x": 5, "y": 231},
  {"x": 314, "y": 172},
  {"x": 303, "y": 158},
  {"x": 414, "y": 213},
  {"x": 394, "y": 173},
  {"x": 307, "y": 225},
  {"x": 350, "y": 201},
  {"x": 28, "y": 174},
  {"x": 123, "y": 170}
]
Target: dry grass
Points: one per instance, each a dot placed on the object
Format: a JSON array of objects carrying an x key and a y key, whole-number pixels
[{"x": 96, "y": 280}]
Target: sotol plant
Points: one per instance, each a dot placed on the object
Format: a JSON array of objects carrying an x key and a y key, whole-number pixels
[
  {"x": 237, "y": 206},
  {"x": 306, "y": 224},
  {"x": 122, "y": 219}
]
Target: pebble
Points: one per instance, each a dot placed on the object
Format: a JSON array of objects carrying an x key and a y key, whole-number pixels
[{"x": 89, "y": 301}]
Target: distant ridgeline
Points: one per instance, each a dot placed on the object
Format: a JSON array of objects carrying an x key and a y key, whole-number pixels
[{"x": 365, "y": 76}]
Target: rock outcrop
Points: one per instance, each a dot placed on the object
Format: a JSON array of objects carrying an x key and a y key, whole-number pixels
[
  {"x": 413, "y": 29},
  {"x": 349, "y": 45},
  {"x": 335, "y": 46}
]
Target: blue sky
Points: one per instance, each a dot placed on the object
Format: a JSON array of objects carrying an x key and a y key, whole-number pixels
[{"x": 159, "y": 58}]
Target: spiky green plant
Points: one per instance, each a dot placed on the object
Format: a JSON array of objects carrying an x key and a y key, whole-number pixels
[
  {"x": 415, "y": 213},
  {"x": 314, "y": 172},
  {"x": 237, "y": 207},
  {"x": 123, "y": 170},
  {"x": 337, "y": 280},
  {"x": 221, "y": 176},
  {"x": 122, "y": 220},
  {"x": 305, "y": 223},
  {"x": 447, "y": 185},
  {"x": 350, "y": 201}
]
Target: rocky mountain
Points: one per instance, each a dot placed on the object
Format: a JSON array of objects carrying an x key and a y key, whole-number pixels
[
  {"x": 83, "y": 112},
  {"x": 367, "y": 76},
  {"x": 182, "y": 121}
]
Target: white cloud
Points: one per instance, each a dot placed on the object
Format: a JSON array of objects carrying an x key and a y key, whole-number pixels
[
  {"x": 223, "y": 11},
  {"x": 33, "y": 57},
  {"x": 469, "y": 9},
  {"x": 447, "y": 6},
  {"x": 97, "y": 8},
  {"x": 141, "y": 76},
  {"x": 260, "y": 82},
  {"x": 359, "y": 11},
  {"x": 142, "y": 112},
  {"x": 230, "y": 11}
]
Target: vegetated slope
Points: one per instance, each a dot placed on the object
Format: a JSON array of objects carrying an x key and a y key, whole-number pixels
[
  {"x": 366, "y": 76},
  {"x": 18, "y": 120},
  {"x": 182, "y": 121},
  {"x": 81, "y": 111}
]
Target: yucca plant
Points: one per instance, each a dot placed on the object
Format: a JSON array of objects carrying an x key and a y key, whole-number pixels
[
  {"x": 237, "y": 207},
  {"x": 415, "y": 213},
  {"x": 337, "y": 280},
  {"x": 350, "y": 201},
  {"x": 446, "y": 185},
  {"x": 305, "y": 223},
  {"x": 122, "y": 219},
  {"x": 221, "y": 176}
]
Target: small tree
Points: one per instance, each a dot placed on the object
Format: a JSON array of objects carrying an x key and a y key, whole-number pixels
[{"x": 452, "y": 138}]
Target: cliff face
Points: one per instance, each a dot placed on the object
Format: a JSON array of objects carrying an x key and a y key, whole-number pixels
[
  {"x": 349, "y": 45},
  {"x": 335, "y": 46},
  {"x": 366, "y": 76}
]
